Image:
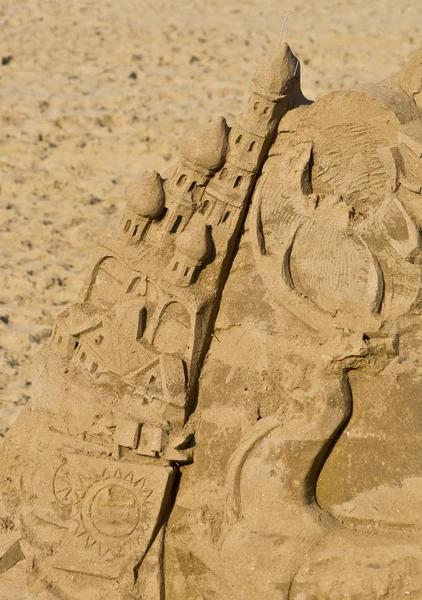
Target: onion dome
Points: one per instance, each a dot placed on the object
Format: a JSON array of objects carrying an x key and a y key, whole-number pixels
[
  {"x": 206, "y": 147},
  {"x": 145, "y": 196},
  {"x": 275, "y": 74},
  {"x": 195, "y": 241}
]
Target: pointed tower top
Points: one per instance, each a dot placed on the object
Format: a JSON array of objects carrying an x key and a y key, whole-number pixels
[
  {"x": 195, "y": 241},
  {"x": 206, "y": 147},
  {"x": 275, "y": 74},
  {"x": 410, "y": 77},
  {"x": 145, "y": 196}
]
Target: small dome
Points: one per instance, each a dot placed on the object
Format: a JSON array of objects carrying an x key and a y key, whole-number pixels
[
  {"x": 195, "y": 241},
  {"x": 206, "y": 147},
  {"x": 275, "y": 73},
  {"x": 146, "y": 197}
]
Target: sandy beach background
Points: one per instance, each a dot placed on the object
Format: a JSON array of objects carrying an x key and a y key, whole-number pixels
[{"x": 94, "y": 94}]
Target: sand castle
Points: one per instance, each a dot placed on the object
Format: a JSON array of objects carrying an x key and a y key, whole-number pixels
[{"x": 231, "y": 409}]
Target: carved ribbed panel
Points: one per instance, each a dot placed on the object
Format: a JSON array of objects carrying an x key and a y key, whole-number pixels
[
  {"x": 331, "y": 268},
  {"x": 346, "y": 160}
]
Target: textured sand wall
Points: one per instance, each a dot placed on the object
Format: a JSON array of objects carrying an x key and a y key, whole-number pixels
[{"x": 93, "y": 94}]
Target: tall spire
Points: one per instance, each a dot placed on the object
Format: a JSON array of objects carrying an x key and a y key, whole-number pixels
[{"x": 275, "y": 74}]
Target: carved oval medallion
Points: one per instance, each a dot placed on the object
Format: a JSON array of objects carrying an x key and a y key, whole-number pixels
[{"x": 115, "y": 511}]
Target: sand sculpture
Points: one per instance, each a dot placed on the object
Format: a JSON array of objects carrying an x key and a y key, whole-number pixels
[{"x": 232, "y": 411}]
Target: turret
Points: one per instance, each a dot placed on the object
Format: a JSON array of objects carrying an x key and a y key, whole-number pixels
[
  {"x": 273, "y": 85},
  {"x": 192, "y": 248},
  {"x": 274, "y": 77},
  {"x": 251, "y": 136},
  {"x": 202, "y": 152},
  {"x": 205, "y": 149},
  {"x": 145, "y": 202}
]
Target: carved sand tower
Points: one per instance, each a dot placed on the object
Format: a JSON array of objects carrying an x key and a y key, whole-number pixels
[
  {"x": 120, "y": 375},
  {"x": 232, "y": 409}
]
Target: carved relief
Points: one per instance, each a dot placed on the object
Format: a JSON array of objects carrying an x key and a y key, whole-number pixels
[
  {"x": 314, "y": 503},
  {"x": 62, "y": 486},
  {"x": 321, "y": 306},
  {"x": 174, "y": 329},
  {"x": 116, "y": 509},
  {"x": 132, "y": 348},
  {"x": 106, "y": 286}
]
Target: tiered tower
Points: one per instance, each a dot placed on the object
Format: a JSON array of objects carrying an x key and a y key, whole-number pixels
[
  {"x": 192, "y": 249},
  {"x": 145, "y": 202},
  {"x": 202, "y": 153},
  {"x": 251, "y": 137}
]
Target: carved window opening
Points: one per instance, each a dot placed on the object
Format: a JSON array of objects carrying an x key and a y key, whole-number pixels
[
  {"x": 152, "y": 380},
  {"x": 266, "y": 109},
  {"x": 187, "y": 270},
  {"x": 223, "y": 173},
  {"x": 252, "y": 146},
  {"x": 94, "y": 367},
  {"x": 75, "y": 345},
  {"x": 127, "y": 226},
  {"x": 99, "y": 339},
  {"x": 204, "y": 207},
  {"x": 137, "y": 286},
  {"x": 256, "y": 105},
  {"x": 176, "y": 264},
  {"x": 59, "y": 341},
  {"x": 238, "y": 181},
  {"x": 176, "y": 224},
  {"x": 181, "y": 180},
  {"x": 192, "y": 186},
  {"x": 238, "y": 139},
  {"x": 226, "y": 216},
  {"x": 135, "y": 230},
  {"x": 83, "y": 357},
  {"x": 142, "y": 323}
]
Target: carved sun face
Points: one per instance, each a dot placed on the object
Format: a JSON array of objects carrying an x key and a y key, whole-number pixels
[
  {"x": 115, "y": 508},
  {"x": 110, "y": 509}
]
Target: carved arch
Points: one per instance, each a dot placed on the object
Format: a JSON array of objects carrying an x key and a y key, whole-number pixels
[
  {"x": 173, "y": 329},
  {"x": 106, "y": 285}
]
